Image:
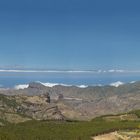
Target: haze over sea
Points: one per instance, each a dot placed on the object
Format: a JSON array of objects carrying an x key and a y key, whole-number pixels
[
  {"x": 69, "y": 34},
  {"x": 88, "y": 78}
]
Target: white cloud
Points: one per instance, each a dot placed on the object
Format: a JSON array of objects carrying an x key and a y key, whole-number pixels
[
  {"x": 17, "y": 87},
  {"x": 61, "y": 84},
  {"x": 71, "y": 71},
  {"x": 116, "y": 71},
  {"x": 51, "y": 84},
  {"x": 132, "y": 82},
  {"x": 47, "y": 71},
  {"x": 82, "y": 86},
  {"x": 116, "y": 84}
]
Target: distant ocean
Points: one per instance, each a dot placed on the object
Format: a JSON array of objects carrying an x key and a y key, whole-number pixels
[{"x": 11, "y": 79}]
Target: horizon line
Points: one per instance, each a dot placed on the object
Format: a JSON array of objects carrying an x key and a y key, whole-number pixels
[{"x": 69, "y": 71}]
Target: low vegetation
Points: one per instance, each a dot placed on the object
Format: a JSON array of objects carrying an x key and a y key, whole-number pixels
[{"x": 64, "y": 130}]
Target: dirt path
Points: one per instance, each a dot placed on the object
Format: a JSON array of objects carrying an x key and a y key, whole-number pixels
[
  {"x": 110, "y": 136},
  {"x": 116, "y": 136}
]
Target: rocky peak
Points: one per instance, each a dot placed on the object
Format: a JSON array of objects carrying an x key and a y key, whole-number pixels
[{"x": 36, "y": 85}]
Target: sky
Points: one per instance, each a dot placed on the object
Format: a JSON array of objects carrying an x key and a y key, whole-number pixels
[{"x": 70, "y": 34}]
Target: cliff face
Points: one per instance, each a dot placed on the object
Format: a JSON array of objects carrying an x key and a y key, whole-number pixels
[
  {"x": 39, "y": 107},
  {"x": 20, "y": 108}
]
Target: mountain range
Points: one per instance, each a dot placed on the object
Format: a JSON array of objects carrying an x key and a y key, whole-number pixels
[{"x": 67, "y": 102}]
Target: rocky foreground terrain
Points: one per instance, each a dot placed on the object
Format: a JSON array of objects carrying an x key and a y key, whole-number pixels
[{"x": 62, "y": 102}]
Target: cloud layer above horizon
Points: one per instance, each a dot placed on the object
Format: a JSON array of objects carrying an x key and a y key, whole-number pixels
[{"x": 69, "y": 71}]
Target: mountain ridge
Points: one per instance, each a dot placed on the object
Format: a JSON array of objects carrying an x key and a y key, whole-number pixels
[{"x": 73, "y": 102}]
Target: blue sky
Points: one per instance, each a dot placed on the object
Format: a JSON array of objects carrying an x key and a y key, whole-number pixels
[{"x": 70, "y": 34}]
